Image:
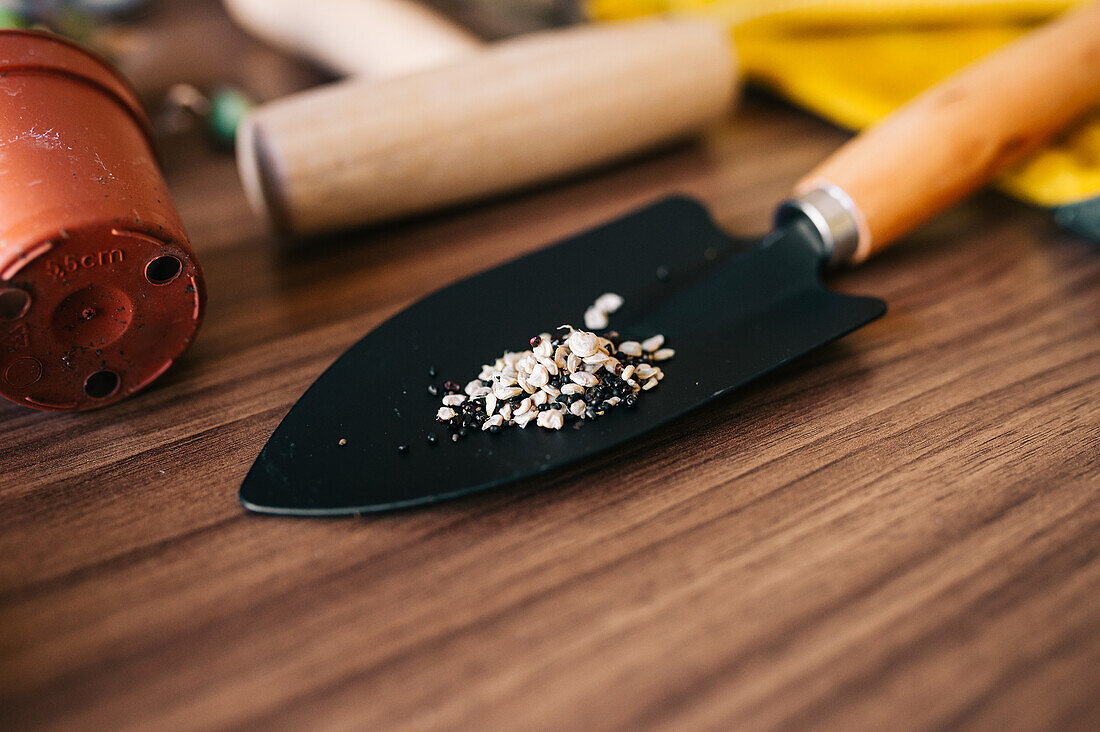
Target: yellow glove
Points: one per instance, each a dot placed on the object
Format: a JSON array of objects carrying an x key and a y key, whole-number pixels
[{"x": 854, "y": 61}]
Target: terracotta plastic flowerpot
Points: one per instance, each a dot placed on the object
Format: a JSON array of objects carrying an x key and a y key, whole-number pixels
[{"x": 99, "y": 290}]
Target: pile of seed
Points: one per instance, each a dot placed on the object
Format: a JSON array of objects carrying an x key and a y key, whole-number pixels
[{"x": 574, "y": 376}]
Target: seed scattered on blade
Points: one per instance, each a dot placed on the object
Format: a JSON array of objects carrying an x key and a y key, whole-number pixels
[{"x": 575, "y": 376}]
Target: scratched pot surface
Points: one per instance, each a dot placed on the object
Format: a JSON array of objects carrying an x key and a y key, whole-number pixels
[{"x": 732, "y": 309}]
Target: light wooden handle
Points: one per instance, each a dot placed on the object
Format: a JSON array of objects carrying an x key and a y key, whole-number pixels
[
  {"x": 523, "y": 111},
  {"x": 378, "y": 39},
  {"x": 952, "y": 139}
]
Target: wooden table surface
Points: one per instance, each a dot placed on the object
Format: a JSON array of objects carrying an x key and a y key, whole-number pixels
[{"x": 900, "y": 530}]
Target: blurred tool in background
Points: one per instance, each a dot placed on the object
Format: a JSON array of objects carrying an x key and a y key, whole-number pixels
[
  {"x": 849, "y": 61},
  {"x": 437, "y": 118}
]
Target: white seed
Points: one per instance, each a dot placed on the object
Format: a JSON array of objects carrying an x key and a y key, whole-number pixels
[
  {"x": 551, "y": 419},
  {"x": 526, "y": 363},
  {"x": 663, "y": 354},
  {"x": 577, "y": 407},
  {"x": 630, "y": 348},
  {"x": 539, "y": 398},
  {"x": 503, "y": 380},
  {"x": 480, "y": 392},
  {"x": 584, "y": 378},
  {"x": 506, "y": 411},
  {"x": 495, "y": 421},
  {"x": 572, "y": 388},
  {"x": 522, "y": 383},
  {"x": 595, "y": 319},
  {"x": 551, "y": 391},
  {"x": 645, "y": 371},
  {"x": 507, "y": 392},
  {"x": 523, "y": 407},
  {"x": 607, "y": 345},
  {"x": 523, "y": 419},
  {"x": 490, "y": 404},
  {"x": 652, "y": 344},
  {"x": 583, "y": 344},
  {"x": 561, "y": 355},
  {"x": 543, "y": 349},
  {"x": 649, "y": 384},
  {"x": 611, "y": 364},
  {"x": 614, "y": 400},
  {"x": 597, "y": 357},
  {"x": 539, "y": 376},
  {"x": 472, "y": 386},
  {"x": 572, "y": 363},
  {"x": 608, "y": 302},
  {"x": 511, "y": 358},
  {"x": 549, "y": 365},
  {"x": 487, "y": 372},
  {"x": 445, "y": 413},
  {"x": 627, "y": 373},
  {"x": 453, "y": 400}
]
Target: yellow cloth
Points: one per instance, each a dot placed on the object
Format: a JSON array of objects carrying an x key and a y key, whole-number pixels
[{"x": 853, "y": 61}]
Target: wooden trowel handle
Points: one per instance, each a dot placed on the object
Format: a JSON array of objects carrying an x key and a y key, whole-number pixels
[
  {"x": 522, "y": 111},
  {"x": 953, "y": 138}
]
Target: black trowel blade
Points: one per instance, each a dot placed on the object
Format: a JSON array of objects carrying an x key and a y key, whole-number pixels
[{"x": 731, "y": 310}]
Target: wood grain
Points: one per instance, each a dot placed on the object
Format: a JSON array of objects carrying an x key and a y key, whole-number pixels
[{"x": 900, "y": 530}]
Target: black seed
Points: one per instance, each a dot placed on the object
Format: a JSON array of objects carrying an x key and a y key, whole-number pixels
[
  {"x": 432, "y": 438},
  {"x": 545, "y": 407},
  {"x": 432, "y": 372},
  {"x": 451, "y": 386},
  {"x": 402, "y": 448},
  {"x": 486, "y": 382},
  {"x": 433, "y": 390},
  {"x": 631, "y": 401},
  {"x": 462, "y": 432},
  {"x": 535, "y": 341},
  {"x": 662, "y": 273},
  {"x": 613, "y": 335},
  {"x": 494, "y": 429}
]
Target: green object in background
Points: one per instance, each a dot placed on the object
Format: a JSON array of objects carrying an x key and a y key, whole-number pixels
[
  {"x": 1082, "y": 217},
  {"x": 228, "y": 106},
  {"x": 11, "y": 19}
]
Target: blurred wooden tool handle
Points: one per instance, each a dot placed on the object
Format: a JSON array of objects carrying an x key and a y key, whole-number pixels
[
  {"x": 522, "y": 111},
  {"x": 372, "y": 38}
]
